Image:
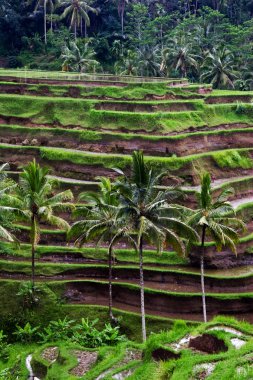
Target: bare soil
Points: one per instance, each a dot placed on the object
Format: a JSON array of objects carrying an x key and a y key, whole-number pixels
[
  {"x": 50, "y": 354},
  {"x": 85, "y": 361}
]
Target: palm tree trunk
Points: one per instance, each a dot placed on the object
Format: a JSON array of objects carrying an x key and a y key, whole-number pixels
[
  {"x": 122, "y": 22},
  {"x": 202, "y": 272},
  {"x": 45, "y": 21},
  {"x": 143, "y": 319},
  {"x": 33, "y": 248},
  {"x": 110, "y": 282}
]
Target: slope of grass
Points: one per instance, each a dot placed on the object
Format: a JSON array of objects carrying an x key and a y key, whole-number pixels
[{"x": 81, "y": 112}]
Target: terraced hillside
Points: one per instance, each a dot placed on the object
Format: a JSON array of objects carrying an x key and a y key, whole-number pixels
[{"x": 81, "y": 129}]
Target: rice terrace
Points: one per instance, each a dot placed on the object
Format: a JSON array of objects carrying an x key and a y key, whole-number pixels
[{"x": 126, "y": 190}]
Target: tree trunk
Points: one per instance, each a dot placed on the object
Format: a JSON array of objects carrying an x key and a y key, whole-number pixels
[
  {"x": 110, "y": 282},
  {"x": 75, "y": 30},
  {"x": 202, "y": 273},
  {"x": 85, "y": 29},
  {"x": 143, "y": 319},
  {"x": 122, "y": 23},
  {"x": 45, "y": 21},
  {"x": 33, "y": 248}
]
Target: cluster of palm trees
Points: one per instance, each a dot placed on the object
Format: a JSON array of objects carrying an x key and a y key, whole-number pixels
[
  {"x": 132, "y": 209},
  {"x": 77, "y": 11},
  {"x": 179, "y": 57}
]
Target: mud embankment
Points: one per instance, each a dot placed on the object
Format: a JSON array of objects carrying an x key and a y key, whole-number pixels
[
  {"x": 167, "y": 305},
  {"x": 110, "y": 143}
]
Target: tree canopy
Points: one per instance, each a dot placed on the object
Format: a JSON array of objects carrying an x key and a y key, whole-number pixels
[{"x": 205, "y": 40}]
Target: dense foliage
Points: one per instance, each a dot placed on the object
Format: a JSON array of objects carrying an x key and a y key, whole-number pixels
[{"x": 205, "y": 40}]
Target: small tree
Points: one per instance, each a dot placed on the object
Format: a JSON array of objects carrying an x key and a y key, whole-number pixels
[
  {"x": 216, "y": 218},
  {"x": 78, "y": 59},
  {"x": 36, "y": 198}
]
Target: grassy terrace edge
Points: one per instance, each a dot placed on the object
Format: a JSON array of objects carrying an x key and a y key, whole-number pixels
[{"x": 230, "y": 158}]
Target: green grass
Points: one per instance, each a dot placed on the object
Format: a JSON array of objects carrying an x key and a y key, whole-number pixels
[
  {"x": 122, "y": 255},
  {"x": 129, "y": 92},
  {"x": 101, "y": 270},
  {"x": 230, "y": 158},
  {"x": 80, "y": 112},
  {"x": 97, "y": 136},
  {"x": 111, "y": 359}
]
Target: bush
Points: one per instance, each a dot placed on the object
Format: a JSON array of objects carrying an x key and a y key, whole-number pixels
[
  {"x": 29, "y": 294},
  {"x": 26, "y": 334},
  {"x": 85, "y": 333},
  {"x": 240, "y": 108},
  {"x": 57, "y": 330},
  {"x": 4, "y": 347}
]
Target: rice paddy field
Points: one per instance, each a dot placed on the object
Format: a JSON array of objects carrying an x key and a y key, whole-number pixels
[{"x": 81, "y": 127}]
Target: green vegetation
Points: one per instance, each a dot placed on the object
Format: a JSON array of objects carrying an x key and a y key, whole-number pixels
[{"x": 78, "y": 112}]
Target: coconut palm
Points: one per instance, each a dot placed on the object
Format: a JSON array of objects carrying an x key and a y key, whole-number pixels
[
  {"x": 52, "y": 5},
  {"x": 218, "y": 68},
  {"x": 35, "y": 197},
  {"x": 121, "y": 5},
  {"x": 216, "y": 218},
  {"x": 77, "y": 10},
  {"x": 179, "y": 55},
  {"x": 99, "y": 222},
  {"x": 128, "y": 65},
  {"x": 149, "y": 62},
  {"x": 151, "y": 214},
  {"x": 7, "y": 211},
  {"x": 78, "y": 59}
]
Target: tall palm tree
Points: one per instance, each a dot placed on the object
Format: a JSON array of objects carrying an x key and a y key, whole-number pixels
[
  {"x": 121, "y": 5},
  {"x": 218, "y": 68},
  {"x": 151, "y": 214},
  {"x": 216, "y": 218},
  {"x": 35, "y": 196},
  {"x": 78, "y": 59},
  {"x": 99, "y": 222},
  {"x": 52, "y": 5},
  {"x": 77, "y": 10}
]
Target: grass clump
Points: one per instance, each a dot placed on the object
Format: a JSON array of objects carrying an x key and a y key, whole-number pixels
[{"x": 233, "y": 159}]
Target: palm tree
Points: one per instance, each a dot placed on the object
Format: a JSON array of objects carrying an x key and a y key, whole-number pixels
[
  {"x": 218, "y": 68},
  {"x": 7, "y": 211},
  {"x": 52, "y": 4},
  {"x": 149, "y": 61},
  {"x": 215, "y": 217},
  {"x": 151, "y": 214},
  {"x": 99, "y": 222},
  {"x": 179, "y": 56},
  {"x": 77, "y": 59},
  {"x": 121, "y": 5},
  {"x": 35, "y": 197},
  {"x": 77, "y": 10},
  {"x": 128, "y": 65}
]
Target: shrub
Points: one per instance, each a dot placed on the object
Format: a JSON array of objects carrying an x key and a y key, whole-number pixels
[
  {"x": 4, "y": 347},
  {"x": 57, "y": 330},
  {"x": 29, "y": 294},
  {"x": 26, "y": 334}
]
